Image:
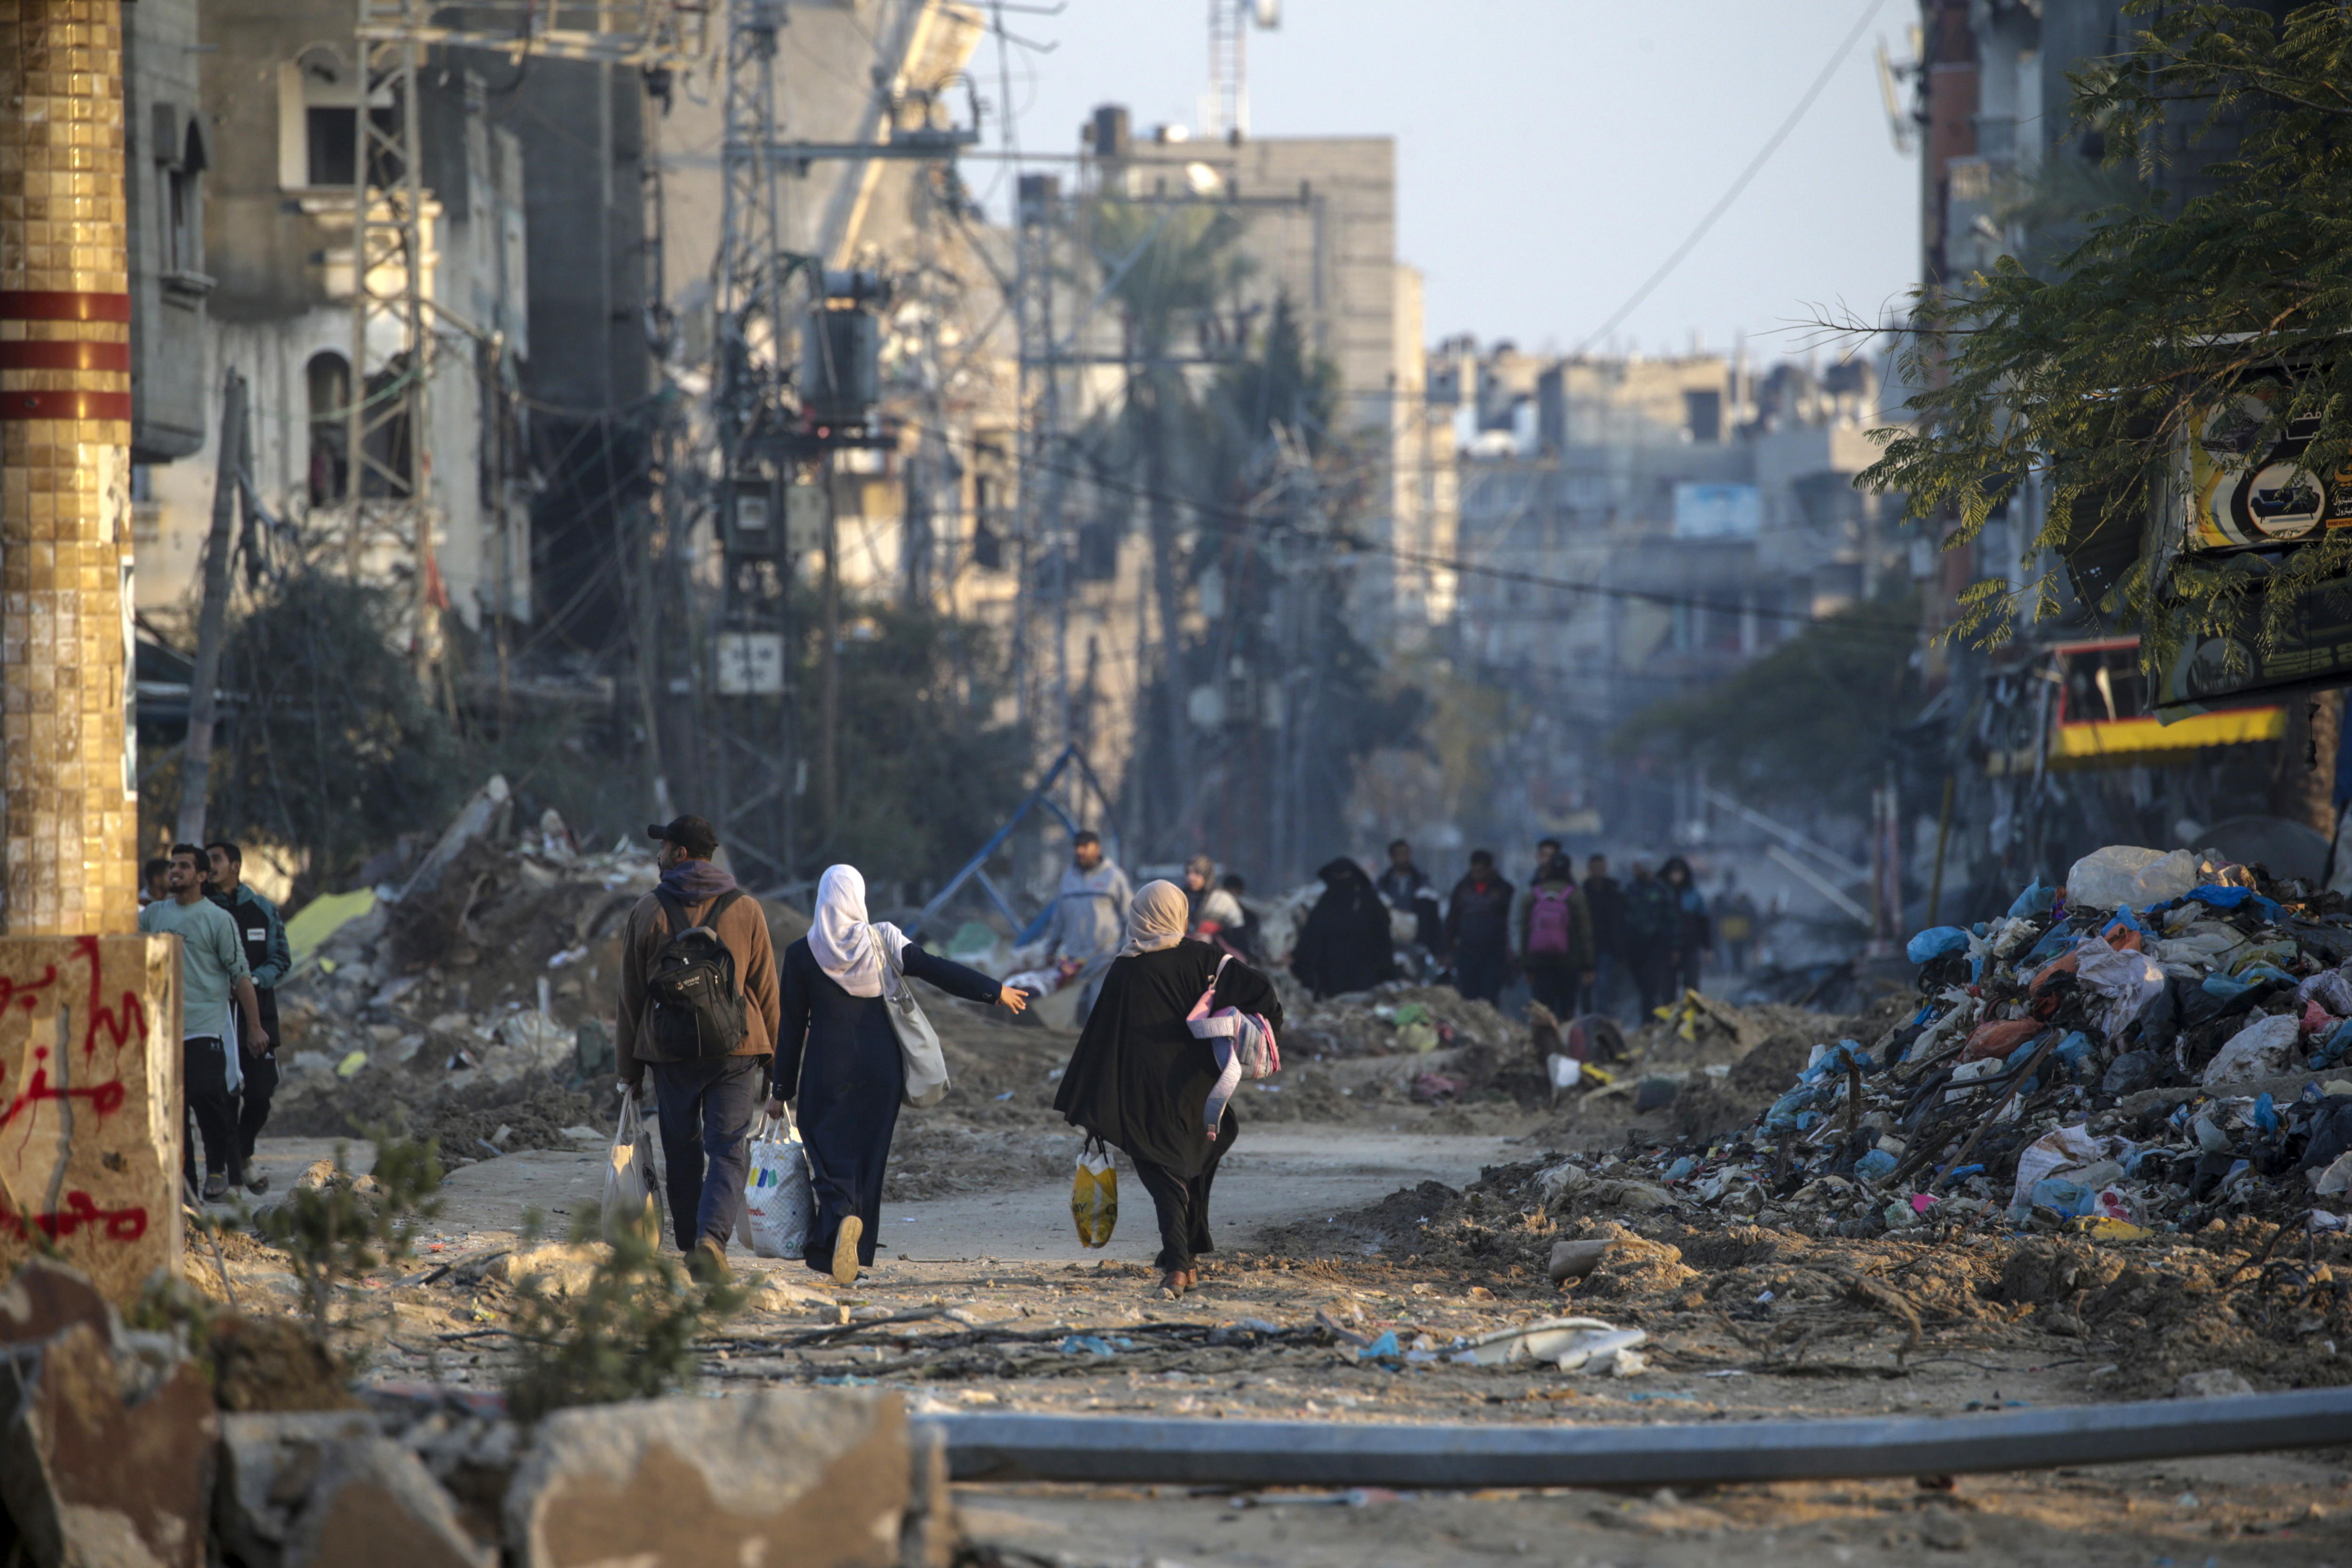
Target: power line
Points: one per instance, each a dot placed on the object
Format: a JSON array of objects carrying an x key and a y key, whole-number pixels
[
  {"x": 1755, "y": 166},
  {"x": 1231, "y": 519}
]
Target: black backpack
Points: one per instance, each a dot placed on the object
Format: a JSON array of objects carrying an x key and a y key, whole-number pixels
[{"x": 697, "y": 1006}]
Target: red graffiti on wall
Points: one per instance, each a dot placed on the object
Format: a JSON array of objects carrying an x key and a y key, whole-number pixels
[
  {"x": 121, "y": 1024},
  {"x": 105, "y": 1098},
  {"x": 125, "y": 1225},
  {"x": 27, "y": 994}
]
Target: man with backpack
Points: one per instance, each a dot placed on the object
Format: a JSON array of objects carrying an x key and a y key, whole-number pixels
[
  {"x": 1554, "y": 926},
  {"x": 699, "y": 1012}
]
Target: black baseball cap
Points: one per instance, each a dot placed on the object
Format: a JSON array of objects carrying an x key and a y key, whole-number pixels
[{"x": 692, "y": 833}]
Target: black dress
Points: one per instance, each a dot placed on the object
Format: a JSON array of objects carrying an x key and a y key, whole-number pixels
[
  {"x": 1140, "y": 1079},
  {"x": 1345, "y": 944},
  {"x": 838, "y": 1061}
]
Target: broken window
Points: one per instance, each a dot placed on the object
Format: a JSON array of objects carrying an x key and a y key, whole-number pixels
[{"x": 329, "y": 376}]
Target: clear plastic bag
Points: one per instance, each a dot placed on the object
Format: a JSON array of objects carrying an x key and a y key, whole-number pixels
[
  {"x": 1094, "y": 1195},
  {"x": 629, "y": 1180}
]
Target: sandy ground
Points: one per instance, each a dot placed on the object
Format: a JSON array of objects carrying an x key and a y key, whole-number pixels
[{"x": 978, "y": 1225}]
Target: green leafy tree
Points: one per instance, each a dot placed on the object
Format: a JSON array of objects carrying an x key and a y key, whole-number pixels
[
  {"x": 2090, "y": 367},
  {"x": 331, "y": 745},
  {"x": 1167, "y": 267},
  {"x": 1813, "y": 720},
  {"x": 927, "y": 770}
]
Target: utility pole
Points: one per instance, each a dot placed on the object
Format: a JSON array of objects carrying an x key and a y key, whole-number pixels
[
  {"x": 828, "y": 756},
  {"x": 196, "y": 755},
  {"x": 390, "y": 423},
  {"x": 751, "y": 769}
]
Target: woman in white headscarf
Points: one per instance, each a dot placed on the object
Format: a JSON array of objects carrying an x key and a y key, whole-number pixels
[
  {"x": 1140, "y": 1080},
  {"x": 838, "y": 1059}
]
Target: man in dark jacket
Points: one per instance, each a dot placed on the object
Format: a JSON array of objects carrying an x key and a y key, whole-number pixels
[
  {"x": 1410, "y": 892},
  {"x": 706, "y": 1104},
  {"x": 267, "y": 955},
  {"x": 1478, "y": 929},
  {"x": 1606, "y": 898},
  {"x": 1653, "y": 931}
]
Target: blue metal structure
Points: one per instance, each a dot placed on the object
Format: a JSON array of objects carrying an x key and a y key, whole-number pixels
[{"x": 1071, "y": 761}]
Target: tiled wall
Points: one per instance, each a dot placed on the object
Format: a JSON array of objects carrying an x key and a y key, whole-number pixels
[{"x": 67, "y": 836}]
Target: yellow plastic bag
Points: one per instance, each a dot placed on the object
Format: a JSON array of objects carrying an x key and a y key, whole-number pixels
[{"x": 1094, "y": 1195}]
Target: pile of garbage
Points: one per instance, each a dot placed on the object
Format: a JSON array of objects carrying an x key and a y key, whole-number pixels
[
  {"x": 1396, "y": 1019},
  {"x": 2155, "y": 1046}
]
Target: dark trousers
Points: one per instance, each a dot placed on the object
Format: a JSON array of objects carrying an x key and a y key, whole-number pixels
[
  {"x": 1654, "y": 978},
  {"x": 1182, "y": 1205},
  {"x": 203, "y": 1076},
  {"x": 253, "y": 1108},
  {"x": 1600, "y": 993},
  {"x": 1553, "y": 983},
  {"x": 1479, "y": 974},
  {"x": 706, "y": 1110}
]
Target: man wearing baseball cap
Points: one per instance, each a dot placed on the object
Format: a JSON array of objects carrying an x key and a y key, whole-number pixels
[{"x": 706, "y": 1104}]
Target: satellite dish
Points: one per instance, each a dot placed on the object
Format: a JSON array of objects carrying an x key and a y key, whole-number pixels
[{"x": 1266, "y": 14}]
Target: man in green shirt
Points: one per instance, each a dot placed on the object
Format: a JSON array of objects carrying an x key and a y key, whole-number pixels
[
  {"x": 270, "y": 956},
  {"x": 211, "y": 970}
]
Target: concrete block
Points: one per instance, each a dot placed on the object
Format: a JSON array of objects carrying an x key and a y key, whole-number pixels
[
  {"x": 374, "y": 1505},
  {"x": 931, "y": 1535},
  {"x": 44, "y": 1296},
  {"x": 817, "y": 1478},
  {"x": 107, "y": 1456},
  {"x": 268, "y": 1466},
  {"x": 90, "y": 1105}
]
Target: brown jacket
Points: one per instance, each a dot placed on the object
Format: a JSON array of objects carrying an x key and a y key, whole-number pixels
[{"x": 744, "y": 929}]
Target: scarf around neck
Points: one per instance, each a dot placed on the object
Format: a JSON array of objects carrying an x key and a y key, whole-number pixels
[{"x": 697, "y": 881}]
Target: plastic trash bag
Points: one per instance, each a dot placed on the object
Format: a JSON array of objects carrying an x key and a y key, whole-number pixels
[
  {"x": 779, "y": 1208},
  {"x": 629, "y": 1182},
  {"x": 1094, "y": 1195},
  {"x": 2125, "y": 876}
]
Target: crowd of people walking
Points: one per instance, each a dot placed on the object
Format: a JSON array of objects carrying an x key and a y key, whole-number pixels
[{"x": 716, "y": 1027}]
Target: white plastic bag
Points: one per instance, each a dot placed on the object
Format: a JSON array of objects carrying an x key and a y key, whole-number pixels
[
  {"x": 778, "y": 1206},
  {"x": 629, "y": 1181},
  {"x": 2124, "y": 874}
]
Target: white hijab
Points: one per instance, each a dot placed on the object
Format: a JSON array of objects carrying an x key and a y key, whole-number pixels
[{"x": 840, "y": 938}]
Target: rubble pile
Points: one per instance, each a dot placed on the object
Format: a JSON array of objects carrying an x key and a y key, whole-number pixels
[
  {"x": 2131, "y": 1116},
  {"x": 474, "y": 996},
  {"x": 2077, "y": 1064}
]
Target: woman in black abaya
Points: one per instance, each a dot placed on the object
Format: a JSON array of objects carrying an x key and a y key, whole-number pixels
[
  {"x": 1140, "y": 1079},
  {"x": 839, "y": 1056},
  {"x": 1345, "y": 944}
]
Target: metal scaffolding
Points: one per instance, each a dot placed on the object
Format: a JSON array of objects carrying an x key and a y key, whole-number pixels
[{"x": 388, "y": 427}]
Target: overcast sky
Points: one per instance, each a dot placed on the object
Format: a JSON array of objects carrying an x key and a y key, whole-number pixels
[{"x": 1550, "y": 153}]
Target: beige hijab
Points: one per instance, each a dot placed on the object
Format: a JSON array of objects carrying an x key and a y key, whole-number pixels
[{"x": 1156, "y": 918}]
